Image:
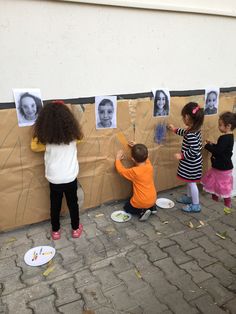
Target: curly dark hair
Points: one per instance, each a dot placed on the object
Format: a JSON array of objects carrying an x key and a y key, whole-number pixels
[
  {"x": 36, "y": 100},
  {"x": 56, "y": 124},
  {"x": 228, "y": 118},
  {"x": 195, "y": 113},
  {"x": 139, "y": 152}
]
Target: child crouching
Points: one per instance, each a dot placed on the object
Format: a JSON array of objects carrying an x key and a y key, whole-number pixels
[{"x": 142, "y": 203}]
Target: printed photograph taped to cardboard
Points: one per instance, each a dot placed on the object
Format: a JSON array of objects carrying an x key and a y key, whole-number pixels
[
  {"x": 105, "y": 111},
  {"x": 161, "y": 102},
  {"x": 28, "y": 105},
  {"x": 211, "y": 101}
]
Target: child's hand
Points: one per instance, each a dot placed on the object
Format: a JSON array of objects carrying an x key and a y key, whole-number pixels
[
  {"x": 131, "y": 143},
  {"x": 120, "y": 155},
  {"x": 208, "y": 142},
  {"x": 178, "y": 156},
  {"x": 171, "y": 127}
]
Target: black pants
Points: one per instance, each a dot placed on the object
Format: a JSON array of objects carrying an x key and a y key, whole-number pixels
[
  {"x": 133, "y": 210},
  {"x": 56, "y": 195}
]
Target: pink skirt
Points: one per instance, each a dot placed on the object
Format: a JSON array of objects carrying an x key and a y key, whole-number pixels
[{"x": 218, "y": 182}]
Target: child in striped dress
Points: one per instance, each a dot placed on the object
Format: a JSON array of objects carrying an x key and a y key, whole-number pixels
[{"x": 190, "y": 157}]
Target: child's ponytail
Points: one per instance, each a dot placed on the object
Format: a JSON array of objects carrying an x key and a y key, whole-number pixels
[{"x": 196, "y": 114}]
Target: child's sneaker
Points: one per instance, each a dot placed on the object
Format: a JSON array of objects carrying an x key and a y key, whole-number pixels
[
  {"x": 227, "y": 210},
  {"x": 145, "y": 215},
  {"x": 153, "y": 209},
  {"x": 56, "y": 235},
  {"x": 184, "y": 199},
  {"x": 192, "y": 208},
  {"x": 77, "y": 233}
]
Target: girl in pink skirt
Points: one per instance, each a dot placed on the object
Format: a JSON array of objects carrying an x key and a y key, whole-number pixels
[{"x": 219, "y": 180}]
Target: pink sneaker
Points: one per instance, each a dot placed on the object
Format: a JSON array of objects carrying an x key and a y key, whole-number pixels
[
  {"x": 77, "y": 233},
  {"x": 56, "y": 235}
]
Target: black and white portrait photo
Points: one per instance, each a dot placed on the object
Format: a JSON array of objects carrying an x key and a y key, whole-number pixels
[
  {"x": 28, "y": 105},
  {"x": 105, "y": 112},
  {"x": 211, "y": 101},
  {"x": 161, "y": 102}
]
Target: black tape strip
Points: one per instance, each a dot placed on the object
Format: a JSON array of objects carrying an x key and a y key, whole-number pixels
[{"x": 91, "y": 100}]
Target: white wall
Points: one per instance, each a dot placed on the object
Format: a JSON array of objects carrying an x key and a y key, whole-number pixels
[{"x": 73, "y": 50}]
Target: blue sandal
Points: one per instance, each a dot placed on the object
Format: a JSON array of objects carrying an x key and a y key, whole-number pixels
[{"x": 192, "y": 208}]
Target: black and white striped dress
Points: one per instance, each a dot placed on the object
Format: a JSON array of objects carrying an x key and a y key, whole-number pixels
[{"x": 190, "y": 167}]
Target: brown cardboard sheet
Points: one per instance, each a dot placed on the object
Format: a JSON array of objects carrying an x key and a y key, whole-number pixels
[{"x": 24, "y": 192}]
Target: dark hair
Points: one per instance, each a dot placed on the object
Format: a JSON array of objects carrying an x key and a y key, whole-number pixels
[
  {"x": 36, "y": 100},
  {"x": 195, "y": 113},
  {"x": 104, "y": 102},
  {"x": 228, "y": 118},
  {"x": 157, "y": 95},
  {"x": 56, "y": 124},
  {"x": 139, "y": 152}
]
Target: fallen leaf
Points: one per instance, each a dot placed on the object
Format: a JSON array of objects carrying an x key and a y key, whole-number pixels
[
  {"x": 201, "y": 222},
  {"x": 138, "y": 274},
  {"x": 158, "y": 233},
  {"x": 99, "y": 215},
  {"x": 48, "y": 270},
  {"x": 165, "y": 222},
  {"x": 9, "y": 240},
  {"x": 220, "y": 236},
  {"x": 190, "y": 224}
]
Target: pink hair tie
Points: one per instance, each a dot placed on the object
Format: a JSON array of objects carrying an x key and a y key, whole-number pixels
[
  {"x": 58, "y": 102},
  {"x": 195, "y": 110}
]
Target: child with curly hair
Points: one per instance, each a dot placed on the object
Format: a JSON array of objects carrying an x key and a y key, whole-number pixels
[{"x": 56, "y": 132}]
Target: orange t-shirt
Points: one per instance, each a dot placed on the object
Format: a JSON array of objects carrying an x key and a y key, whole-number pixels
[{"x": 144, "y": 191}]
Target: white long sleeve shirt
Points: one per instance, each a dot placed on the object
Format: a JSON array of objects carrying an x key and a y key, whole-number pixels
[{"x": 61, "y": 163}]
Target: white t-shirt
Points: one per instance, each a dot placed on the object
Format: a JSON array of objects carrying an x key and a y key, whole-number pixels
[{"x": 61, "y": 163}]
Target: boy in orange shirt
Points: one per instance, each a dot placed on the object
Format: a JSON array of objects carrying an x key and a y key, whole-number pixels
[{"x": 142, "y": 203}]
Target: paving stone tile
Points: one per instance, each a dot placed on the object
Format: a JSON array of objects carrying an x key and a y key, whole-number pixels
[
  {"x": 83, "y": 278},
  {"x": 163, "y": 243},
  {"x": 120, "y": 264},
  {"x": 8, "y": 267},
  {"x": 201, "y": 257},
  {"x": 107, "y": 277},
  {"x": 207, "y": 244},
  {"x": 121, "y": 293},
  {"x": 65, "y": 291},
  {"x": 72, "y": 308},
  {"x": 231, "y": 306},
  {"x": 206, "y": 305},
  {"x": 169, "y": 268},
  {"x": 93, "y": 296},
  {"x": 133, "y": 280},
  {"x": 148, "y": 301},
  {"x": 91, "y": 231},
  {"x": 12, "y": 283},
  {"x": 177, "y": 254},
  {"x": 68, "y": 254},
  {"x": 225, "y": 277},
  {"x": 177, "y": 303},
  {"x": 185, "y": 240},
  {"x": 197, "y": 273},
  {"x": 153, "y": 252},
  {"x": 43, "y": 305},
  {"x": 220, "y": 294}
]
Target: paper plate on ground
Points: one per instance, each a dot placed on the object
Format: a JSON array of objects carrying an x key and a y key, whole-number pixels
[
  {"x": 39, "y": 255},
  {"x": 165, "y": 203},
  {"x": 120, "y": 216}
]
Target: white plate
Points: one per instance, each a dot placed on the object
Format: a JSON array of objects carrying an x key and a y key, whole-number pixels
[
  {"x": 39, "y": 255},
  {"x": 165, "y": 203},
  {"x": 120, "y": 216}
]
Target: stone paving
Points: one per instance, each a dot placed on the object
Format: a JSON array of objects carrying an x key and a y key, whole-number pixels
[{"x": 172, "y": 263}]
